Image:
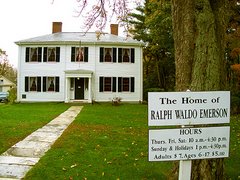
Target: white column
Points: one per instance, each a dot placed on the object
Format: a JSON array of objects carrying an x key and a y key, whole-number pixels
[
  {"x": 90, "y": 89},
  {"x": 66, "y": 90}
]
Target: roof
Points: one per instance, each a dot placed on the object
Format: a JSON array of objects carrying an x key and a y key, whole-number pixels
[
  {"x": 78, "y": 37},
  {"x": 6, "y": 82}
]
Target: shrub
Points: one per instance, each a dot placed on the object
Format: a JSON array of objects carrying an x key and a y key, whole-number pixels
[{"x": 12, "y": 95}]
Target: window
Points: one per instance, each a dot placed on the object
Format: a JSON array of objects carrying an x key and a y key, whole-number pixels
[
  {"x": 33, "y": 54},
  {"x": 108, "y": 54},
  {"x": 51, "y": 54},
  {"x": 107, "y": 84},
  {"x": 126, "y": 55},
  {"x": 50, "y": 84},
  {"x": 126, "y": 84},
  {"x": 79, "y": 54},
  {"x": 33, "y": 84}
]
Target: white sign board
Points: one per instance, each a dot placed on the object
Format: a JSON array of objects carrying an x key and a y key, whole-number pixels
[
  {"x": 188, "y": 108},
  {"x": 188, "y": 143}
]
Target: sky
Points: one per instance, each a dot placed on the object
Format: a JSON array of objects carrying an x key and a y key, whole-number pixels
[{"x": 23, "y": 19}]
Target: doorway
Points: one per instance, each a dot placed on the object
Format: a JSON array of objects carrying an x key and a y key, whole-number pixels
[{"x": 79, "y": 88}]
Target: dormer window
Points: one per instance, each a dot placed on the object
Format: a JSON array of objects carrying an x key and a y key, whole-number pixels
[{"x": 79, "y": 54}]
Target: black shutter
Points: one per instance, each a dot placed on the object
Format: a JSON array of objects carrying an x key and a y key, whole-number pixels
[
  {"x": 26, "y": 84},
  {"x": 38, "y": 84},
  {"x": 73, "y": 54},
  {"x": 57, "y": 54},
  {"x": 57, "y": 84},
  {"x": 27, "y": 55},
  {"x": 100, "y": 84},
  {"x": 45, "y": 54},
  {"x": 114, "y": 55},
  {"x": 85, "y": 54},
  {"x": 44, "y": 84},
  {"x": 132, "y": 84},
  {"x": 114, "y": 84},
  {"x": 101, "y": 54},
  {"x": 132, "y": 55},
  {"x": 119, "y": 84},
  {"x": 119, "y": 55},
  {"x": 39, "y": 54}
]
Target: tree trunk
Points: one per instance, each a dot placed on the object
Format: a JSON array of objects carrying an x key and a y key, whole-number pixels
[{"x": 199, "y": 28}]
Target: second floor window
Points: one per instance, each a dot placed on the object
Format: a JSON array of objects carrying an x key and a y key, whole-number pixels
[
  {"x": 51, "y": 54},
  {"x": 79, "y": 54},
  {"x": 108, "y": 54},
  {"x": 126, "y": 55},
  {"x": 33, "y": 54}
]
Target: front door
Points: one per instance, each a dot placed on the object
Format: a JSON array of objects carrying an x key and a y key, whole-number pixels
[{"x": 79, "y": 88}]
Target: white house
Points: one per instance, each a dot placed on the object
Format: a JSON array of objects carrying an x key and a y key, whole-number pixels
[
  {"x": 5, "y": 84},
  {"x": 73, "y": 66}
]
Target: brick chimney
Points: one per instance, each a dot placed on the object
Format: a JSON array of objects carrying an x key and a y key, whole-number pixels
[
  {"x": 114, "y": 29},
  {"x": 56, "y": 27}
]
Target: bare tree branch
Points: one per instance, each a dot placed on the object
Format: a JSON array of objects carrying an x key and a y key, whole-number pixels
[{"x": 104, "y": 10}]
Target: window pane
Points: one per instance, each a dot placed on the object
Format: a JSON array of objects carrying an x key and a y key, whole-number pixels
[
  {"x": 33, "y": 55},
  {"x": 108, "y": 55},
  {"x": 51, "y": 54},
  {"x": 107, "y": 84},
  {"x": 50, "y": 83},
  {"x": 125, "y": 84},
  {"x": 79, "y": 54},
  {"x": 126, "y": 55},
  {"x": 33, "y": 84}
]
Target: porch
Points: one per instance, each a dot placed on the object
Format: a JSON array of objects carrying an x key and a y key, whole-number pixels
[{"x": 78, "y": 85}]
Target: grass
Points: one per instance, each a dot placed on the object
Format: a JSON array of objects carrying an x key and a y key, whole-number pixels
[
  {"x": 104, "y": 142},
  {"x": 19, "y": 120}
]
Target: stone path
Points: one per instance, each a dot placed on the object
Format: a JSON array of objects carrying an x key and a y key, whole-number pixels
[{"x": 21, "y": 157}]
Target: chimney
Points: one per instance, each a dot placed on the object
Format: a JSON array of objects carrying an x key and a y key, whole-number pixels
[
  {"x": 56, "y": 27},
  {"x": 114, "y": 29}
]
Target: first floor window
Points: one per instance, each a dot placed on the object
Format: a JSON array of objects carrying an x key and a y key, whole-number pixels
[
  {"x": 126, "y": 84},
  {"x": 50, "y": 84},
  {"x": 33, "y": 84},
  {"x": 122, "y": 84},
  {"x": 38, "y": 84},
  {"x": 107, "y": 84}
]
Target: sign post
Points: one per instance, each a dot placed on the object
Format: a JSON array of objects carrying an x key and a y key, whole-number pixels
[{"x": 188, "y": 143}]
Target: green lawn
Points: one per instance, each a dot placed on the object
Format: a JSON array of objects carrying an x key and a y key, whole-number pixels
[
  {"x": 19, "y": 120},
  {"x": 104, "y": 142}
]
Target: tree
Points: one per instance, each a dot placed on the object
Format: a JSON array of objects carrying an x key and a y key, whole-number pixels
[
  {"x": 199, "y": 28},
  {"x": 99, "y": 12},
  {"x": 152, "y": 24},
  {"x": 6, "y": 69}
]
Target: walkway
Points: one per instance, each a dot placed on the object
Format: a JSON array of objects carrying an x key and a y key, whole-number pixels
[{"x": 21, "y": 157}]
